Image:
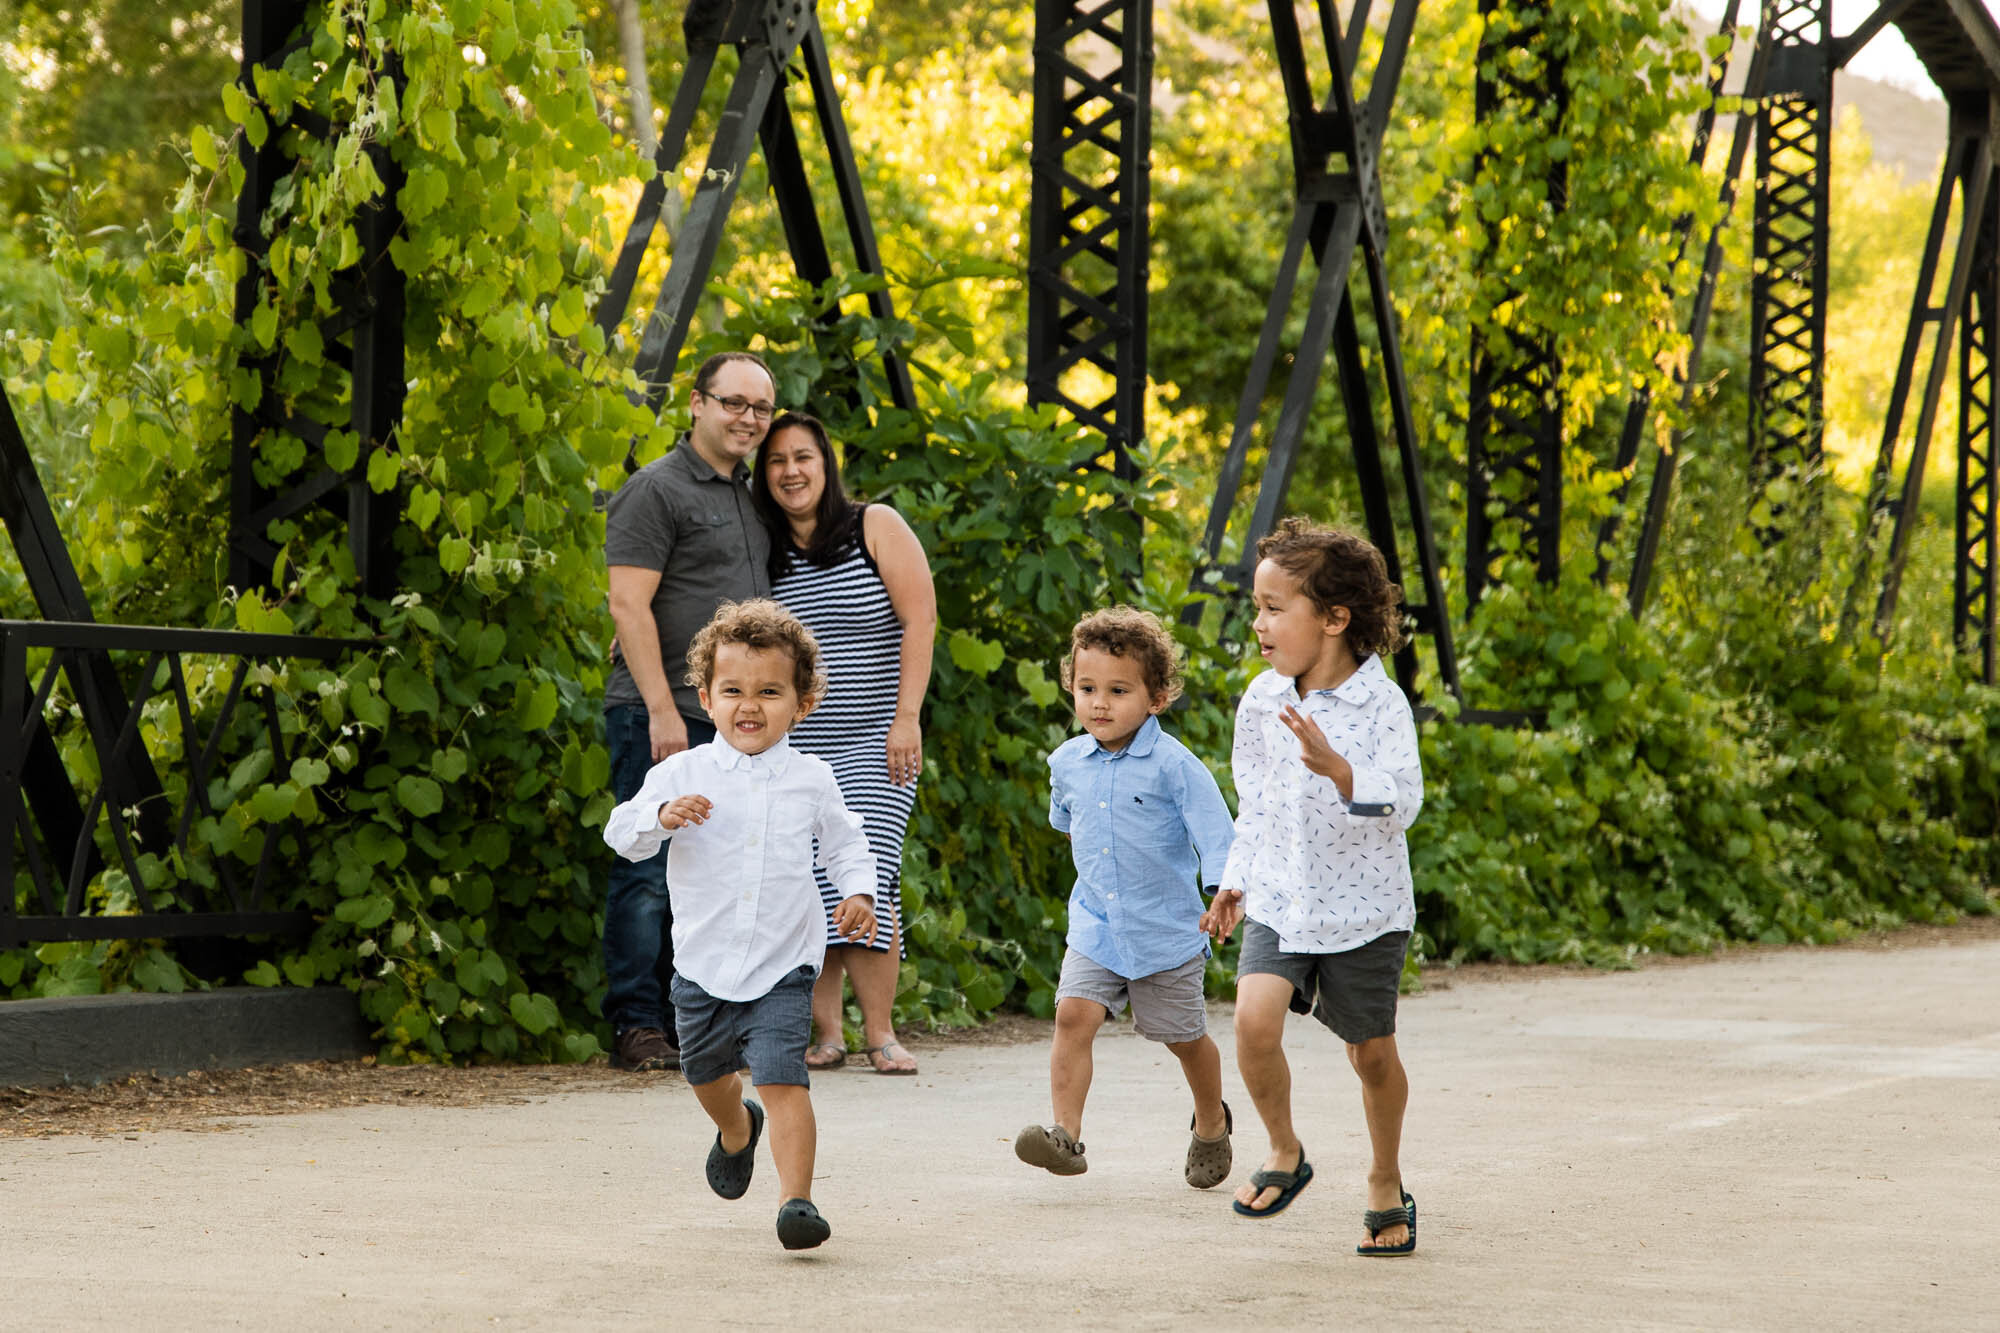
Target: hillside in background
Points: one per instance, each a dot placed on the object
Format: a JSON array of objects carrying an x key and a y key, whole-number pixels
[{"x": 1907, "y": 131}]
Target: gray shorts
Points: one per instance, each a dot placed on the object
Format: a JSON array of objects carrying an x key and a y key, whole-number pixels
[
  {"x": 1166, "y": 1006},
  {"x": 1353, "y": 992},
  {"x": 768, "y": 1033}
]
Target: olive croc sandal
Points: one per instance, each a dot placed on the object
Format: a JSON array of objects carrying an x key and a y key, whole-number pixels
[
  {"x": 1287, "y": 1183},
  {"x": 1052, "y": 1149},
  {"x": 729, "y": 1172},
  {"x": 1209, "y": 1160},
  {"x": 1380, "y": 1220}
]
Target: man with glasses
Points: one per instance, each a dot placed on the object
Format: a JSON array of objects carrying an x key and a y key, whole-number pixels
[{"x": 680, "y": 538}]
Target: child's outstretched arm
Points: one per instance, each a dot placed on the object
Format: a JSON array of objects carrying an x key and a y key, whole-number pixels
[
  {"x": 854, "y": 917},
  {"x": 1318, "y": 756},
  {"x": 849, "y": 862},
  {"x": 638, "y": 828},
  {"x": 1248, "y": 763},
  {"x": 1224, "y": 914},
  {"x": 684, "y": 810}
]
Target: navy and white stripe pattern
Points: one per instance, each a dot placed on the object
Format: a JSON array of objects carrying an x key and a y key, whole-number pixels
[
  {"x": 1327, "y": 874},
  {"x": 847, "y": 608}
]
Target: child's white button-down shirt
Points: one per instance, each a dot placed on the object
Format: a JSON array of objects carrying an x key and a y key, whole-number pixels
[
  {"x": 1326, "y": 874},
  {"x": 746, "y": 908}
]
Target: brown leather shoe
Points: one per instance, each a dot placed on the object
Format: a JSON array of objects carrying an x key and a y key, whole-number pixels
[{"x": 645, "y": 1048}]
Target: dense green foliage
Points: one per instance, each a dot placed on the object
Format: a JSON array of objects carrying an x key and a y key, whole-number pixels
[{"x": 1727, "y": 768}]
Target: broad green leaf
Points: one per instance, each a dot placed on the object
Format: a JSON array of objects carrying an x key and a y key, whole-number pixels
[{"x": 419, "y": 795}]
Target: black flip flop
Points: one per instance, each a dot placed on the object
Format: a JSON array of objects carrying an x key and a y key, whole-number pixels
[
  {"x": 1380, "y": 1220},
  {"x": 1288, "y": 1184},
  {"x": 729, "y": 1172},
  {"x": 800, "y": 1227}
]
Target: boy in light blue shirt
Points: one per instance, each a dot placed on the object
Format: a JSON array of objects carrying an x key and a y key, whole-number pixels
[{"x": 1139, "y": 809}]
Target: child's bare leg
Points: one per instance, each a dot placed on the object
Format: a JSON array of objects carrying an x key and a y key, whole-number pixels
[
  {"x": 723, "y": 1100},
  {"x": 1262, "y": 1001},
  {"x": 794, "y": 1136},
  {"x": 1070, "y": 1066},
  {"x": 1201, "y": 1063},
  {"x": 1385, "y": 1092},
  {"x": 828, "y": 1020}
]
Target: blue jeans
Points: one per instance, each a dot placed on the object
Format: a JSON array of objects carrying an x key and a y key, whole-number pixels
[{"x": 638, "y": 922}]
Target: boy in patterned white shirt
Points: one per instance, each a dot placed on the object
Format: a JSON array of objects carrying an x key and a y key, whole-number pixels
[
  {"x": 1327, "y": 780},
  {"x": 738, "y": 817}
]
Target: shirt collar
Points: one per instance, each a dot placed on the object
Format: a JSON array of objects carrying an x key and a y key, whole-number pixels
[
  {"x": 773, "y": 761},
  {"x": 1142, "y": 742},
  {"x": 1361, "y": 686},
  {"x": 700, "y": 468}
]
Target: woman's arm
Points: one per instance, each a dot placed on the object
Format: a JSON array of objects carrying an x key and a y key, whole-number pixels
[{"x": 906, "y": 573}]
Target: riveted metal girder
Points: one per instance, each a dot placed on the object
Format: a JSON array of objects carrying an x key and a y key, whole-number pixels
[
  {"x": 1087, "y": 222},
  {"x": 1336, "y": 144},
  {"x": 769, "y": 36}
]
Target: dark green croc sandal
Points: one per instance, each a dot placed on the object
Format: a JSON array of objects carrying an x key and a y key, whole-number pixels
[
  {"x": 729, "y": 1172},
  {"x": 800, "y": 1227}
]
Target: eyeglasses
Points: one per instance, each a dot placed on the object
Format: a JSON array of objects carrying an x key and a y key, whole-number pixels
[{"x": 736, "y": 407}]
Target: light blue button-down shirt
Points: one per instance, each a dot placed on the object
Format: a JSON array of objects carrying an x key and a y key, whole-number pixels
[{"x": 1137, "y": 819}]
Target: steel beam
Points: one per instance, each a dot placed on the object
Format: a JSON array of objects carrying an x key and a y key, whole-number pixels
[
  {"x": 1337, "y": 213},
  {"x": 1659, "y": 492},
  {"x": 1088, "y": 224},
  {"x": 1977, "y": 537},
  {"x": 48, "y": 837},
  {"x": 1968, "y": 180},
  {"x": 369, "y": 319},
  {"x": 768, "y": 35},
  {"x": 1789, "y": 245},
  {"x": 1513, "y": 432}
]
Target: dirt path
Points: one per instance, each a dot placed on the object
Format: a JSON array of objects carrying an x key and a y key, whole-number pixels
[{"x": 1777, "y": 1139}]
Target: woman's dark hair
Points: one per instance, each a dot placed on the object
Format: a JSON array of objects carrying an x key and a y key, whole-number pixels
[{"x": 837, "y": 516}]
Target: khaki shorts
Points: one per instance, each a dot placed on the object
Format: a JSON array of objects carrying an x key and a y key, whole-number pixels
[{"x": 1166, "y": 1006}]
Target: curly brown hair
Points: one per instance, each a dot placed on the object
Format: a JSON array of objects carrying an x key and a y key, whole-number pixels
[
  {"x": 1126, "y": 631},
  {"x": 1340, "y": 568},
  {"x": 758, "y": 623}
]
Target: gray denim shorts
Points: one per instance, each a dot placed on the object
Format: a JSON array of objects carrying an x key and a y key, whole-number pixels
[
  {"x": 1352, "y": 992},
  {"x": 768, "y": 1033},
  {"x": 1166, "y": 1006}
]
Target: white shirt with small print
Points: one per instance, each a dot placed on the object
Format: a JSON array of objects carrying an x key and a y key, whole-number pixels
[
  {"x": 746, "y": 908},
  {"x": 1326, "y": 874}
]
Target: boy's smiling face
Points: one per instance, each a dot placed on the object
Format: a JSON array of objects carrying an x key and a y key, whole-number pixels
[
  {"x": 751, "y": 696},
  {"x": 1112, "y": 701}
]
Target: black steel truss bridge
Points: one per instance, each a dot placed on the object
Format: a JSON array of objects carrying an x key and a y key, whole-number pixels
[{"x": 61, "y": 830}]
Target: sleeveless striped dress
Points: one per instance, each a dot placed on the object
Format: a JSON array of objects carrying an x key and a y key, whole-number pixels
[{"x": 847, "y": 607}]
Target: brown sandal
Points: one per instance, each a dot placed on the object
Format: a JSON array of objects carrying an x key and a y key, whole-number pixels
[
  {"x": 879, "y": 1057},
  {"x": 817, "y": 1056}
]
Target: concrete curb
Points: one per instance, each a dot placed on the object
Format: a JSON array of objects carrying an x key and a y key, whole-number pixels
[{"x": 93, "y": 1038}]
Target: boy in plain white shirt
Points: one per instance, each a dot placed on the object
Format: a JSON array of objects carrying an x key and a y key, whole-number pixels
[{"x": 739, "y": 816}]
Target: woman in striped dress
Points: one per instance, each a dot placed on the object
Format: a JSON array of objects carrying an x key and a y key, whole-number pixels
[{"x": 857, "y": 576}]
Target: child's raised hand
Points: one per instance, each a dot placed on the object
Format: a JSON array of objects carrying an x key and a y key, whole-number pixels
[
  {"x": 1224, "y": 914},
  {"x": 854, "y": 918},
  {"x": 684, "y": 810},
  {"x": 1313, "y": 749}
]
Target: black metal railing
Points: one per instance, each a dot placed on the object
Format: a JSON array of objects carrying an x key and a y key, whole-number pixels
[{"x": 63, "y": 827}]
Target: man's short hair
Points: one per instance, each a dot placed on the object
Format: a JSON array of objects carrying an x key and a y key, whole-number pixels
[
  {"x": 1128, "y": 632},
  {"x": 763, "y": 624},
  {"x": 713, "y": 367}
]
